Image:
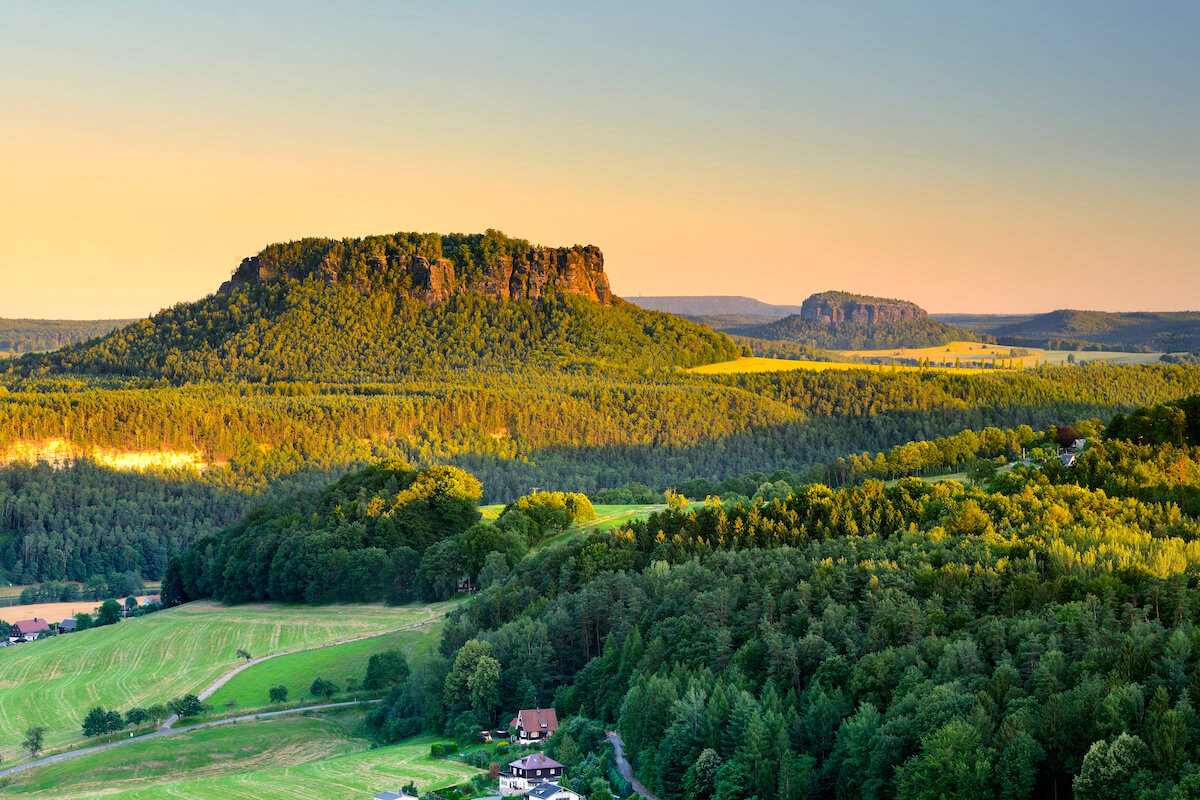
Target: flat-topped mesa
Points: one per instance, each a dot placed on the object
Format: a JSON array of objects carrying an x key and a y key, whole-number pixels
[
  {"x": 413, "y": 265},
  {"x": 834, "y": 307}
]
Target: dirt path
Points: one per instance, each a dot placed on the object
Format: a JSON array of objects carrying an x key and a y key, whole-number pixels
[
  {"x": 622, "y": 766},
  {"x": 164, "y": 731},
  {"x": 209, "y": 690}
]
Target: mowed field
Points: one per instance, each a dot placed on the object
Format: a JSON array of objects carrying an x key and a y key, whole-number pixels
[
  {"x": 53, "y": 612},
  {"x": 220, "y": 764},
  {"x": 977, "y": 353},
  {"x": 338, "y": 663},
  {"x": 758, "y": 364},
  {"x": 970, "y": 357},
  {"x": 210, "y": 752},
  {"x": 146, "y": 660}
]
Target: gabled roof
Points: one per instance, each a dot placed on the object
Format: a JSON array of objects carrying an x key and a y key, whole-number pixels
[
  {"x": 544, "y": 790},
  {"x": 31, "y": 625},
  {"x": 535, "y": 761},
  {"x": 69, "y": 622},
  {"x": 537, "y": 719}
]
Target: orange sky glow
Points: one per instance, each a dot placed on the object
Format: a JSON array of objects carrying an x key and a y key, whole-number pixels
[{"x": 135, "y": 181}]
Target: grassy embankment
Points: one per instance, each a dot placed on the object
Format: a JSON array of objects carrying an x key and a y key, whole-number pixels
[
  {"x": 152, "y": 659},
  {"x": 289, "y": 757}
]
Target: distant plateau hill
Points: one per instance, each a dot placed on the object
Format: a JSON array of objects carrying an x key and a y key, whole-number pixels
[{"x": 381, "y": 307}]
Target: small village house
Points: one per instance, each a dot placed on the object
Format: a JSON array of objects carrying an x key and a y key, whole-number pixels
[
  {"x": 28, "y": 629},
  {"x": 528, "y": 772},
  {"x": 535, "y": 724},
  {"x": 68, "y": 625}
]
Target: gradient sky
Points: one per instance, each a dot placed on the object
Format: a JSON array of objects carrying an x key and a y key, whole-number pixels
[{"x": 970, "y": 156}]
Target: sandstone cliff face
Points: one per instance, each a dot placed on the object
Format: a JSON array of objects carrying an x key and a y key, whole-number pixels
[
  {"x": 532, "y": 274},
  {"x": 830, "y": 308}
]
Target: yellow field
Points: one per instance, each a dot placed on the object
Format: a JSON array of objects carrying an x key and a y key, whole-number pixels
[
  {"x": 975, "y": 353},
  {"x": 54, "y": 612},
  {"x": 970, "y": 356},
  {"x": 757, "y": 364}
]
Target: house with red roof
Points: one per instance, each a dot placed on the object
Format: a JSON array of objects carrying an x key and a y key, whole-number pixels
[
  {"x": 28, "y": 629},
  {"x": 534, "y": 724}
]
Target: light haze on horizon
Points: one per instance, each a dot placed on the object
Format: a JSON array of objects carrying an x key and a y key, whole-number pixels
[{"x": 971, "y": 157}]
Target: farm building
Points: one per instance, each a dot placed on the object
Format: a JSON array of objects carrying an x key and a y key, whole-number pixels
[
  {"x": 68, "y": 625},
  {"x": 528, "y": 772},
  {"x": 28, "y": 628},
  {"x": 535, "y": 724}
]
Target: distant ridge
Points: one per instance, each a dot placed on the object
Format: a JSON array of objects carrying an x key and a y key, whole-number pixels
[
  {"x": 713, "y": 306},
  {"x": 1068, "y": 328}
]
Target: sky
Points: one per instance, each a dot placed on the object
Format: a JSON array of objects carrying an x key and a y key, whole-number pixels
[{"x": 969, "y": 156}]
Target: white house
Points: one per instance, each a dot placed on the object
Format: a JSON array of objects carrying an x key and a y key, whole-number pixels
[
  {"x": 528, "y": 772},
  {"x": 552, "y": 791}
]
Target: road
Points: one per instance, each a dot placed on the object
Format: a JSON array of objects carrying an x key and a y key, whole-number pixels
[
  {"x": 209, "y": 690},
  {"x": 164, "y": 731},
  {"x": 622, "y": 765}
]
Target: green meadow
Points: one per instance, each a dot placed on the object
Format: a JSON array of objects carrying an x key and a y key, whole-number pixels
[
  {"x": 338, "y": 663},
  {"x": 209, "y": 752},
  {"x": 152, "y": 659},
  {"x": 281, "y": 759}
]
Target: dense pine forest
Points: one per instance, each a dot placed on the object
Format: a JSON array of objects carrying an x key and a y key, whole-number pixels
[
  {"x": 582, "y": 433},
  {"x": 1033, "y": 636},
  {"x": 919, "y": 332}
]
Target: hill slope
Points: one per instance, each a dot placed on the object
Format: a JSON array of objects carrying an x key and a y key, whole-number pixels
[
  {"x": 1070, "y": 329},
  {"x": 383, "y": 307}
]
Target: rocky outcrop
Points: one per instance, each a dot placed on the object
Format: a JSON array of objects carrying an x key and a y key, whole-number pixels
[
  {"x": 526, "y": 272},
  {"x": 834, "y": 307}
]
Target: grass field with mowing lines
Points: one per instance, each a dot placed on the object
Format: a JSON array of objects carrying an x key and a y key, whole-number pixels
[
  {"x": 352, "y": 776},
  {"x": 210, "y": 752},
  {"x": 151, "y": 659},
  {"x": 758, "y": 364},
  {"x": 249, "y": 688}
]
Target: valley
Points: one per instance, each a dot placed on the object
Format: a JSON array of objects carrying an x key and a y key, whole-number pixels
[{"x": 431, "y": 490}]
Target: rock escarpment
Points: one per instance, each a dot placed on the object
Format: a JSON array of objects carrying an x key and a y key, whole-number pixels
[
  {"x": 834, "y": 307},
  {"x": 432, "y": 268}
]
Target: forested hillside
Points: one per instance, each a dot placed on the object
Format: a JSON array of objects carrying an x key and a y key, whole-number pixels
[
  {"x": 579, "y": 433},
  {"x": 1033, "y": 637},
  {"x": 907, "y": 332},
  {"x": 303, "y": 331}
]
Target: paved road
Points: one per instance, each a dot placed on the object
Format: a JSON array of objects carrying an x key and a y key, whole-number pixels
[
  {"x": 164, "y": 731},
  {"x": 622, "y": 766}
]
